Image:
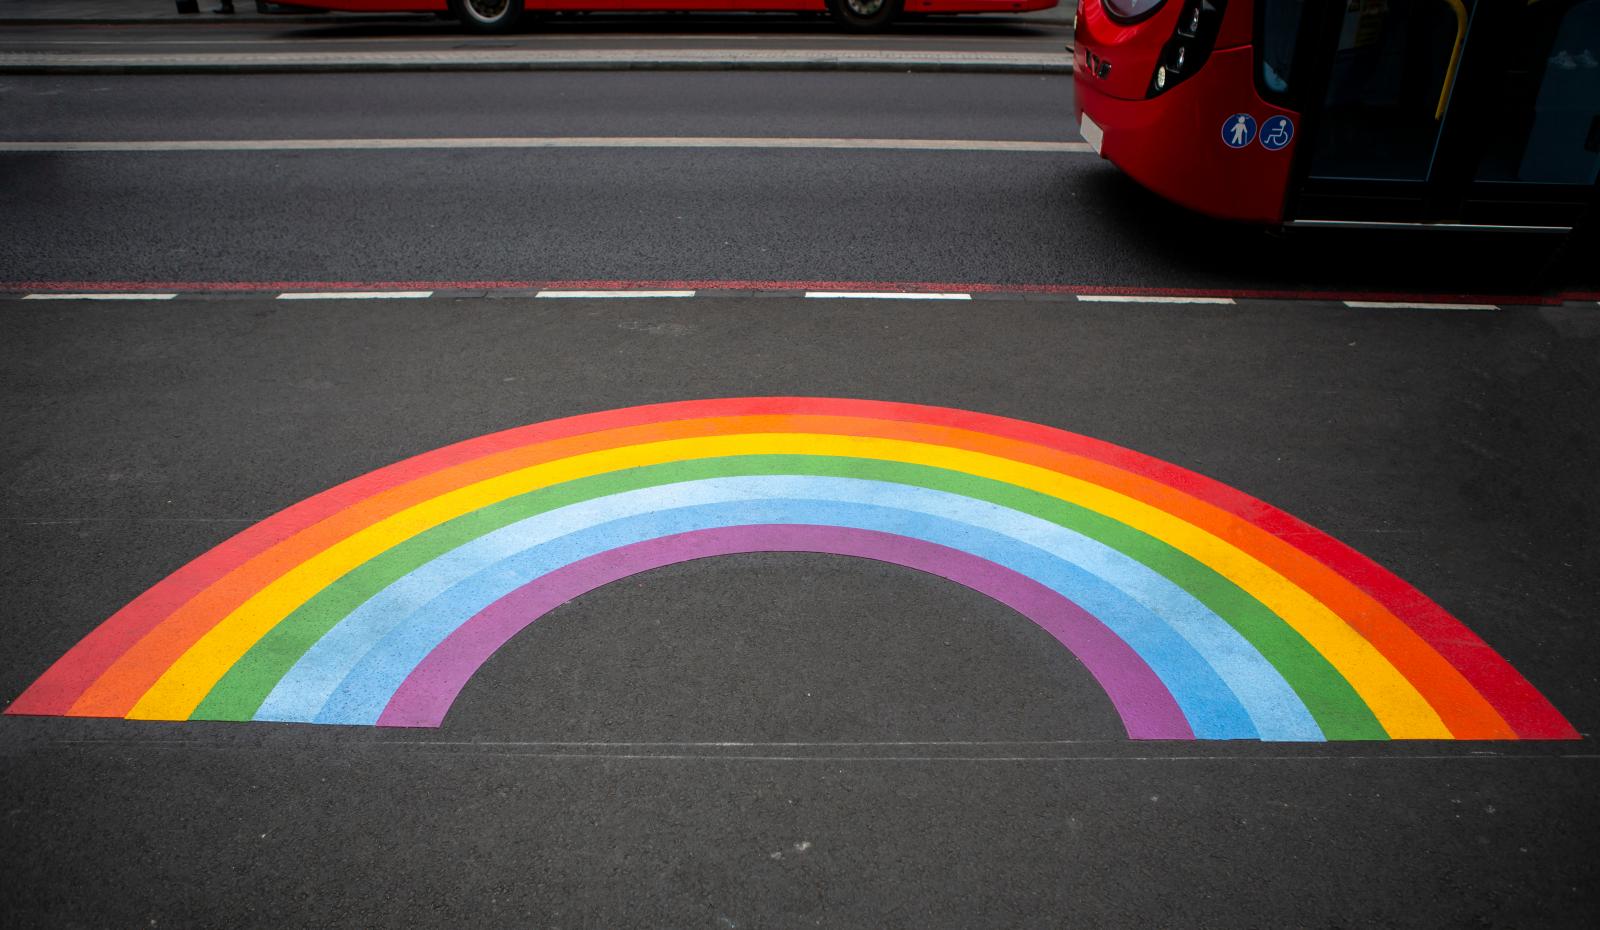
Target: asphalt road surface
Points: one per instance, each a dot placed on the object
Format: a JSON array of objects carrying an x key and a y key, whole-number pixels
[
  {"x": 771, "y": 739},
  {"x": 778, "y": 739},
  {"x": 617, "y": 212}
]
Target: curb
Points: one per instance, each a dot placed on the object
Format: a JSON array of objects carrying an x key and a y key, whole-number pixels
[{"x": 730, "y": 60}]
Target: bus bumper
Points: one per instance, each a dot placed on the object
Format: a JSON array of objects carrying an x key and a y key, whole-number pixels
[{"x": 1173, "y": 143}]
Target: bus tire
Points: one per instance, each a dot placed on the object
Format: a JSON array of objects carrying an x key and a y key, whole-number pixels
[
  {"x": 864, "y": 15},
  {"x": 488, "y": 17}
]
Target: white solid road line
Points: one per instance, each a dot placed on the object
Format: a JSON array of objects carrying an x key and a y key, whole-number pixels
[
  {"x": 575, "y": 294},
  {"x": 547, "y": 142},
  {"x": 1132, "y": 299},
  {"x": 352, "y": 295},
  {"x": 129, "y": 296},
  {"x": 1414, "y": 305},
  {"x": 884, "y": 295},
  {"x": 532, "y": 44},
  {"x": 541, "y": 59}
]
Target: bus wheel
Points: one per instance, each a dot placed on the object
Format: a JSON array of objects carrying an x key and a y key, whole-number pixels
[
  {"x": 864, "y": 15},
  {"x": 487, "y": 16}
]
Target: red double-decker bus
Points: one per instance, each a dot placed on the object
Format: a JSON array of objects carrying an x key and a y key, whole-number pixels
[
  {"x": 503, "y": 15},
  {"x": 1464, "y": 113}
]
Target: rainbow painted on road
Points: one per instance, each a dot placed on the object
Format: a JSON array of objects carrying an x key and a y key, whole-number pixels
[{"x": 1202, "y": 612}]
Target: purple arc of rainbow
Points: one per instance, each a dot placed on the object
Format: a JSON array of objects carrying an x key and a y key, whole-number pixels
[{"x": 1145, "y": 705}]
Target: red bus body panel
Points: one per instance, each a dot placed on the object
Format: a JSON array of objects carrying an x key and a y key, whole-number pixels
[
  {"x": 1172, "y": 143},
  {"x": 665, "y": 6}
]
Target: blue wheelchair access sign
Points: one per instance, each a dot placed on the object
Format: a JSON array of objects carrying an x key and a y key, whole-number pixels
[
  {"x": 1276, "y": 133},
  {"x": 1238, "y": 130}
]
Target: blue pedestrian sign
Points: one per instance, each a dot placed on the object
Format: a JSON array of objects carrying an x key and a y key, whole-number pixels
[
  {"x": 1238, "y": 130},
  {"x": 1276, "y": 133}
]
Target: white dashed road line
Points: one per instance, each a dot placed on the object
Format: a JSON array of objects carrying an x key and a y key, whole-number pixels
[
  {"x": 675, "y": 289},
  {"x": 884, "y": 295},
  {"x": 353, "y": 295},
  {"x": 1414, "y": 305},
  {"x": 129, "y": 296},
  {"x": 1135, "y": 299},
  {"x": 572, "y": 294}
]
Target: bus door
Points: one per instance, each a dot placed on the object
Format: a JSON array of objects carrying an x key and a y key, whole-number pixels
[{"x": 1470, "y": 112}]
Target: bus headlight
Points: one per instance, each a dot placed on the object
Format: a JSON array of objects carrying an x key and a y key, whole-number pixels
[{"x": 1193, "y": 35}]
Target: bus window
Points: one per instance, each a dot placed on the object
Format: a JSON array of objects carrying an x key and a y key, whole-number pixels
[
  {"x": 1280, "y": 31},
  {"x": 1391, "y": 80},
  {"x": 1551, "y": 130}
]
